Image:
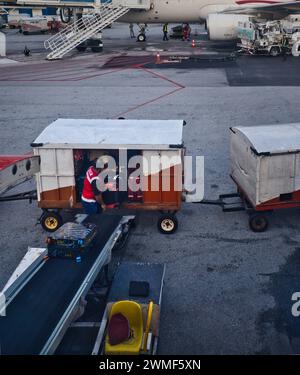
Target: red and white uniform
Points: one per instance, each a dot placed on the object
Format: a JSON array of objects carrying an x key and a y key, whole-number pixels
[{"x": 88, "y": 194}]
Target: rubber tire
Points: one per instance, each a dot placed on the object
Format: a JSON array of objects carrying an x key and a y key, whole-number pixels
[
  {"x": 276, "y": 51},
  {"x": 141, "y": 38},
  {"x": 172, "y": 219},
  {"x": 81, "y": 48},
  {"x": 61, "y": 14},
  {"x": 258, "y": 222},
  {"x": 51, "y": 215}
]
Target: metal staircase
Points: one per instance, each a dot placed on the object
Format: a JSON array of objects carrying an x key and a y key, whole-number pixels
[
  {"x": 83, "y": 28},
  {"x": 3, "y": 11}
]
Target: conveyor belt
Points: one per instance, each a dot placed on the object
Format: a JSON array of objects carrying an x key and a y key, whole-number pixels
[
  {"x": 35, "y": 312},
  {"x": 126, "y": 272}
]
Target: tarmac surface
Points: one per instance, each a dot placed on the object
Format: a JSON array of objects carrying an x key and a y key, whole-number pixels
[{"x": 227, "y": 290}]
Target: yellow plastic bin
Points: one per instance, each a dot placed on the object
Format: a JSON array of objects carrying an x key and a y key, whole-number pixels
[{"x": 133, "y": 312}]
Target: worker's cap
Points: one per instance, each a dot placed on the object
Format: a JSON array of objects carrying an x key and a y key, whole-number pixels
[{"x": 103, "y": 161}]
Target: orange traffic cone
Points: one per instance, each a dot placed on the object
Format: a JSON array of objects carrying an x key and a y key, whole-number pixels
[
  {"x": 157, "y": 58},
  {"x": 193, "y": 43}
]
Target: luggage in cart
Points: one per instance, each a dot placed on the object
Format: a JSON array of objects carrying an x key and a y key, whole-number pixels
[{"x": 67, "y": 147}]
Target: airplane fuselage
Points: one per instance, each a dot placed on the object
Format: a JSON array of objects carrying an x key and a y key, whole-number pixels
[
  {"x": 174, "y": 11},
  {"x": 192, "y": 11}
]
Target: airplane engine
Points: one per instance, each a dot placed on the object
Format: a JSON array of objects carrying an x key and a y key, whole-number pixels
[{"x": 223, "y": 26}]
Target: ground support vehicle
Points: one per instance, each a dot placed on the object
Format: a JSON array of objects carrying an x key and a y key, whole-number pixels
[{"x": 267, "y": 38}]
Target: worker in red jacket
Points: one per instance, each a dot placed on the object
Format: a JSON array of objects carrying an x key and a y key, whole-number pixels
[{"x": 91, "y": 197}]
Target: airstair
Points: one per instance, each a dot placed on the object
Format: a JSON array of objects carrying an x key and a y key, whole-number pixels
[
  {"x": 84, "y": 28},
  {"x": 3, "y": 11}
]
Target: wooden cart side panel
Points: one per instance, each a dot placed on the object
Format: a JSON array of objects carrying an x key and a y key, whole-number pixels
[
  {"x": 59, "y": 198},
  {"x": 162, "y": 197},
  {"x": 169, "y": 178},
  {"x": 164, "y": 186}
]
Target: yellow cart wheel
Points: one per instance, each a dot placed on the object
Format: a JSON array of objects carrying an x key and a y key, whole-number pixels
[
  {"x": 51, "y": 221},
  {"x": 167, "y": 224}
]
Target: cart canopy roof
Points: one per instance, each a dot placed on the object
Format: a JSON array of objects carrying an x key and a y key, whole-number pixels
[
  {"x": 271, "y": 139},
  {"x": 113, "y": 134}
]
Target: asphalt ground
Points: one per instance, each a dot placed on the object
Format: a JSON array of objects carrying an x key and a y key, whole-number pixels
[{"x": 227, "y": 290}]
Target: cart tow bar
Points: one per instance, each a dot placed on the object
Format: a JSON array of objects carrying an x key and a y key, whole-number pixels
[
  {"x": 227, "y": 202},
  {"x": 29, "y": 195}
]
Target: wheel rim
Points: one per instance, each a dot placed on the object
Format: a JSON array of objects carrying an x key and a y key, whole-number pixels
[
  {"x": 259, "y": 223},
  {"x": 51, "y": 223},
  {"x": 167, "y": 225}
]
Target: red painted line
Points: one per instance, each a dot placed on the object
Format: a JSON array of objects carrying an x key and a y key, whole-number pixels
[
  {"x": 65, "y": 80},
  {"x": 102, "y": 74},
  {"x": 69, "y": 74},
  {"x": 52, "y": 73},
  {"x": 99, "y": 74},
  {"x": 36, "y": 80},
  {"x": 239, "y": 2},
  {"x": 53, "y": 66},
  {"x": 149, "y": 102},
  {"x": 178, "y": 88},
  {"x": 47, "y": 75},
  {"x": 139, "y": 66},
  {"x": 45, "y": 72},
  {"x": 28, "y": 69},
  {"x": 162, "y": 77}
]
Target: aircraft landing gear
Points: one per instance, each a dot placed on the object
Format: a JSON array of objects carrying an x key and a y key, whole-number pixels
[
  {"x": 142, "y": 34},
  {"x": 141, "y": 38}
]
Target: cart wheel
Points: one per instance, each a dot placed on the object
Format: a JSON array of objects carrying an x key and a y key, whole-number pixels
[
  {"x": 51, "y": 221},
  {"x": 258, "y": 222},
  {"x": 167, "y": 224}
]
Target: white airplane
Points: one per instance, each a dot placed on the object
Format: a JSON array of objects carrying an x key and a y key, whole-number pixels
[{"x": 220, "y": 16}]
